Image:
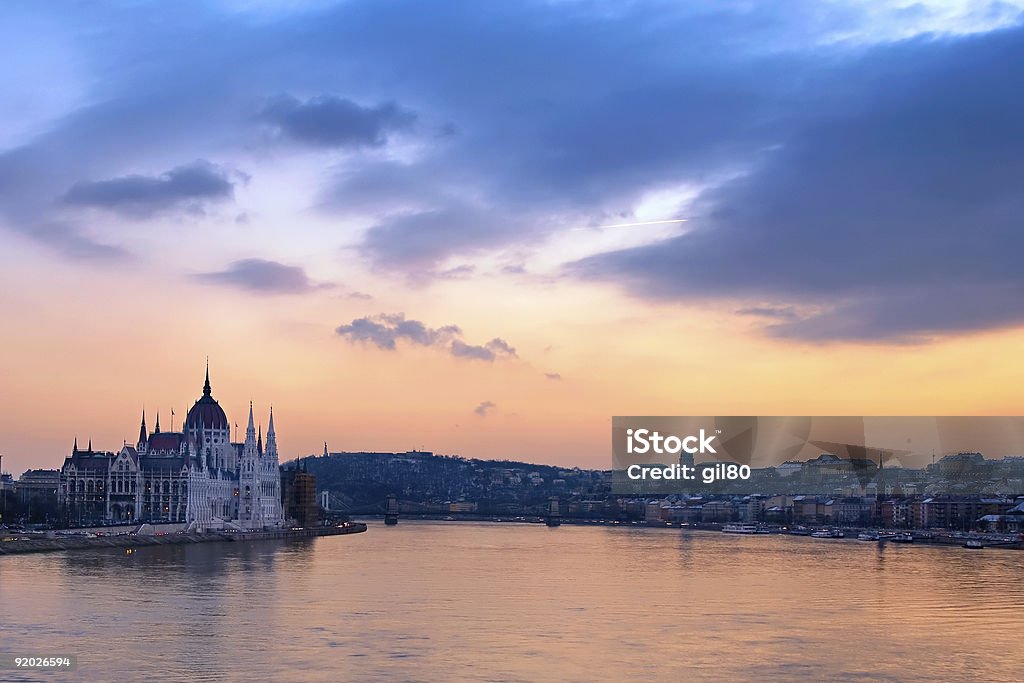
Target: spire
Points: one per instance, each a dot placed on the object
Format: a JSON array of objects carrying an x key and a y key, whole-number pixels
[
  {"x": 251, "y": 428},
  {"x": 90, "y": 445},
  {"x": 259, "y": 440},
  {"x": 206, "y": 386},
  {"x": 143, "y": 436},
  {"x": 74, "y": 449},
  {"x": 272, "y": 439},
  {"x": 325, "y": 449},
  {"x": 249, "y": 451},
  {"x": 157, "y": 429}
]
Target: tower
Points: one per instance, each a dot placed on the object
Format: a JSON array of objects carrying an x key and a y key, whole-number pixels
[
  {"x": 249, "y": 479},
  {"x": 143, "y": 434},
  {"x": 271, "y": 437},
  {"x": 271, "y": 489}
]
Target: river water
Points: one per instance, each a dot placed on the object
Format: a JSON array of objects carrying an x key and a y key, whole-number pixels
[{"x": 483, "y": 602}]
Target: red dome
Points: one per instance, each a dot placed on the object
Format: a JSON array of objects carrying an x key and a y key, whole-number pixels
[{"x": 206, "y": 414}]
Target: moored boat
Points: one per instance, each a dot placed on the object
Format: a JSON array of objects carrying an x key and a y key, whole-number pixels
[{"x": 828, "y": 533}]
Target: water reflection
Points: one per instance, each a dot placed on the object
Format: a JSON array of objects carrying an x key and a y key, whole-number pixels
[{"x": 521, "y": 602}]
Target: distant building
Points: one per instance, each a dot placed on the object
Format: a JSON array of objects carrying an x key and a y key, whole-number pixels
[
  {"x": 719, "y": 511},
  {"x": 960, "y": 466},
  {"x": 964, "y": 513},
  {"x": 298, "y": 495},
  {"x": 39, "y": 486},
  {"x": 852, "y": 510},
  {"x": 789, "y": 468},
  {"x": 8, "y": 491}
]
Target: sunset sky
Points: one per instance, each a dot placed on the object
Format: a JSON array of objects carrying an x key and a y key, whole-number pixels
[{"x": 445, "y": 225}]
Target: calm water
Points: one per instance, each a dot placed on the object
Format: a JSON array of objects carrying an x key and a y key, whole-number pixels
[{"x": 455, "y": 601}]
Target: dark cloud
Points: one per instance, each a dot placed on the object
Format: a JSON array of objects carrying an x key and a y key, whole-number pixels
[
  {"x": 578, "y": 127},
  {"x": 893, "y": 210},
  {"x": 553, "y": 375},
  {"x": 266, "y": 277},
  {"x": 385, "y": 331},
  {"x": 908, "y": 314},
  {"x": 331, "y": 121},
  {"x": 191, "y": 186},
  {"x": 483, "y": 408}
]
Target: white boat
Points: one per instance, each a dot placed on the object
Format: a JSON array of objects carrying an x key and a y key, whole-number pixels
[
  {"x": 867, "y": 536},
  {"x": 828, "y": 533},
  {"x": 740, "y": 529}
]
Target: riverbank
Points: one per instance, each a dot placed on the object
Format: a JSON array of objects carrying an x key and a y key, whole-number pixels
[
  {"x": 920, "y": 537},
  {"x": 131, "y": 541}
]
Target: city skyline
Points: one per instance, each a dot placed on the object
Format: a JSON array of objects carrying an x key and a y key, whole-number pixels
[{"x": 485, "y": 230}]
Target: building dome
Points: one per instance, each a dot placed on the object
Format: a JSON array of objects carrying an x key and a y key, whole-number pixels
[{"x": 206, "y": 413}]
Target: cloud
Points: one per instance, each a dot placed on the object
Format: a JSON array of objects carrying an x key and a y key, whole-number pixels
[
  {"x": 385, "y": 331},
  {"x": 191, "y": 185},
  {"x": 76, "y": 244},
  {"x": 331, "y": 121},
  {"x": 266, "y": 277},
  {"x": 889, "y": 212},
  {"x": 553, "y": 375},
  {"x": 463, "y": 272},
  {"x": 484, "y": 408},
  {"x": 776, "y": 312},
  {"x": 415, "y": 243},
  {"x": 496, "y": 348},
  {"x": 854, "y": 162}
]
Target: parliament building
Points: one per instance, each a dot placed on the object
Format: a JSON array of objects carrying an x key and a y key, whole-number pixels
[{"x": 197, "y": 476}]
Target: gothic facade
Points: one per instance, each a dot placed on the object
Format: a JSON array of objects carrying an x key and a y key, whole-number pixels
[{"x": 197, "y": 476}]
